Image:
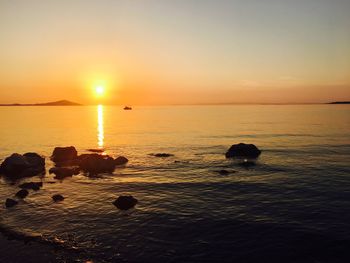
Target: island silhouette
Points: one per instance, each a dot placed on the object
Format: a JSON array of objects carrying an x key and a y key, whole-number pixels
[
  {"x": 340, "y": 102},
  {"x": 53, "y": 103}
]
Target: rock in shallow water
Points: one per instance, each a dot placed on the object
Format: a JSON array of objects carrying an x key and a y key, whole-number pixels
[
  {"x": 34, "y": 159},
  {"x": 64, "y": 154},
  {"x": 96, "y": 163},
  {"x": 247, "y": 164},
  {"x": 121, "y": 160},
  {"x": 31, "y": 185},
  {"x": 243, "y": 150},
  {"x": 26, "y": 165},
  {"x": 10, "y": 202},
  {"x": 93, "y": 163},
  {"x": 125, "y": 202},
  {"x": 63, "y": 172},
  {"x": 225, "y": 172},
  {"x": 57, "y": 198},
  {"x": 22, "y": 193},
  {"x": 162, "y": 155}
]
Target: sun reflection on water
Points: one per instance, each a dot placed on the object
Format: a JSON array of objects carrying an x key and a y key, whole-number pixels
[{"x": 100, "y": 128}]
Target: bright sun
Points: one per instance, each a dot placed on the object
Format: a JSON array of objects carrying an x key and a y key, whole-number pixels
[{"x": 99, "y": 90}]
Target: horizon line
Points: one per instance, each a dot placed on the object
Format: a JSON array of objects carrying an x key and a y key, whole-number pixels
[{"x": 180, "y": 104}]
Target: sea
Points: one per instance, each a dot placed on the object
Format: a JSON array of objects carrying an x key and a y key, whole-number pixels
[{"x": 293, "y": 205}]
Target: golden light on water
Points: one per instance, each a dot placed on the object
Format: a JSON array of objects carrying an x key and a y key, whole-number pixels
[{"x": 100, "y": 127}]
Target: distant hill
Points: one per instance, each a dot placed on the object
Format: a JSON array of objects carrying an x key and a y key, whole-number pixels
[
  {"x": 54, "y": 103},
  {"x": 58, "y": 103},
  {"x": 340, "y": 102}
]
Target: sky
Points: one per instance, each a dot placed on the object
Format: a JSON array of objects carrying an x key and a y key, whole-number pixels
[{"x": 148, "y": 52}]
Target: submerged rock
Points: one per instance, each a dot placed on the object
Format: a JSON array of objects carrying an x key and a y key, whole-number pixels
[
  {"x": 243, "y": 150},
  {"x": 31, "y": 185},
  {"x": 121, "y": 160},
  {"x": 64, "y": 154},
  {"x": 96, "y": 150},
  {"x": 162, "y": 154},
  {"x": 96, "y": 163},
  {"x": 26, "y": 165},
  {"x": 63, "y": 172},
  {"x": 125, "y": 202},
  {"x": 225, "y": 172},
  {"x": 247, "y": 164},
  {"x": 184, "y": 162},
  {"x": 10, "y": 202},
  {"x": 22, "y": 193},
  {"x": 57, "y": 198}
]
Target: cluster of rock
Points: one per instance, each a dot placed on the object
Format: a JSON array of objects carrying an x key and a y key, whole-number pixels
[
  {"x": 31, "y": 186},
  {"x": 68, "y": 162},
  {"x": 122, "y": 202},
  {"x": 23, "y": 193}
]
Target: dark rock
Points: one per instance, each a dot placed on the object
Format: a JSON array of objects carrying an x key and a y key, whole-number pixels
[
  {"x": 163, "y": 155},
  {"x": 57, "y": 198},
  {"x": 121, "y": 160},
  {"x": 243, "y": 150},
  {"x": 96, "y": 163},
  {"x": 64, "y": 154},
  {"x": 14, "y": 164},
  {"x": 34, "y": 159},
  {"x": 31, "y": 185},
  {"x": 225, "y": 172},
  {"x": 22, "y": 193},
  {"x": 83, "y": 156},
  {"x": 63, "y": 172},
  {"x": 10, "y": 202},
  {"x": 19, "y": 166},
  {"x": 125, "y": 202},
  {"x": 32, "y": 172}
]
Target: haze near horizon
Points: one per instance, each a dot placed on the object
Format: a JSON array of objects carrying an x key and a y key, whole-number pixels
[{"x": 175, "y": 52}]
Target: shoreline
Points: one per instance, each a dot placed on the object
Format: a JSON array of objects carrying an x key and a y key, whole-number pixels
[
  {"x": 19, "y": 247},
  {"x": 15, "y": 250}
]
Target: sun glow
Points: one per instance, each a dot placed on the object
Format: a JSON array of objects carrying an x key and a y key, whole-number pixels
[{"x": 100, "y": 90}]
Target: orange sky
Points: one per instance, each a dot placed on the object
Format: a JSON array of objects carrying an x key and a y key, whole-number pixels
[{"x": 175, "y": 52}]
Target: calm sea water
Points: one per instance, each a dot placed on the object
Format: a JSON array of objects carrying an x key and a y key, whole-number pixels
[{"x": 293, "y": 206}]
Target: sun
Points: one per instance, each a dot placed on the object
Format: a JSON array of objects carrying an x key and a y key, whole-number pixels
[{"x": 100, "y": 90}]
